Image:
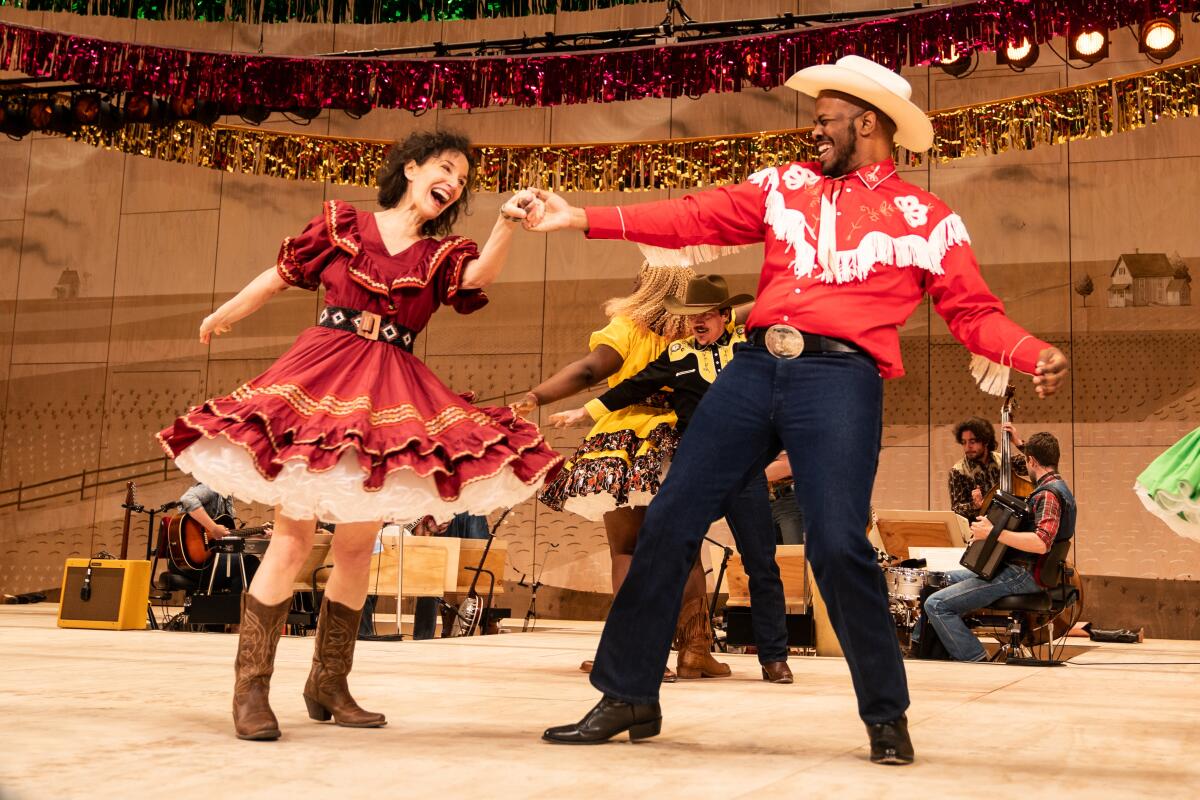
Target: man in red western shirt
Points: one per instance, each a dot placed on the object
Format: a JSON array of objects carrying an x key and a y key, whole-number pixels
[{"x": 850, "y": 251}]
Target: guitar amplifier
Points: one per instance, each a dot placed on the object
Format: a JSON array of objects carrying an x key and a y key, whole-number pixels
[{"x": 117, "y": 593}]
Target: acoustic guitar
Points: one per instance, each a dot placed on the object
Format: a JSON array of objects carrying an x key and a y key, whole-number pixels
[{"x": 190, "y": 545}]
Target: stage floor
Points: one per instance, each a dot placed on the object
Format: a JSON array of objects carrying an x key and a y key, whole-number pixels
[{"x": 91, "y": 714}]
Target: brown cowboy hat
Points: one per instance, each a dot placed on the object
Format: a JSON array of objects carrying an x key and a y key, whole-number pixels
[{"x": 705, "y": 293}]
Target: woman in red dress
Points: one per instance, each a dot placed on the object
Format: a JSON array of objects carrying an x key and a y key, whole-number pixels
[{"x": 348, "y": 425}]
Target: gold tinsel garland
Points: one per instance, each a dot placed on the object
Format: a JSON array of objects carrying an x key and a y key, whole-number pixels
[{"x": 1076, "y": 113}]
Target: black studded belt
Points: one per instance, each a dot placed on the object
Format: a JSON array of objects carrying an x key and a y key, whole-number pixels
[
  {"x": 368, "y": 325},
  {"x": 784, "y": 341}
]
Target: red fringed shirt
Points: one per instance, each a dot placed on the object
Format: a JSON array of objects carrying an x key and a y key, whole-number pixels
[{"x": 891, "y": 242}]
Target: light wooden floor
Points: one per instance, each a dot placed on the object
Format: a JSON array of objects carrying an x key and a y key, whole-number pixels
[{"x": 91, "y": 714}]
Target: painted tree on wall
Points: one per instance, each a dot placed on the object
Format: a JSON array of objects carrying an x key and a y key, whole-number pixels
[{"x": 1084, "y": 286}]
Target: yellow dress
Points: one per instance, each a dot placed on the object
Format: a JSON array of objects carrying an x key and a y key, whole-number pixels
[{"x": 624, "y": 457}]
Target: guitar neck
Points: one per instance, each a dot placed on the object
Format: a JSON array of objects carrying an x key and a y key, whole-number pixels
[
  {"x": 244, "y": 532},
  {"x": 125, "y": 525}
]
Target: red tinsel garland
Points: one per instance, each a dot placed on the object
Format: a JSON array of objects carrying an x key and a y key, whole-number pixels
[{"x": 235, "y": 80}]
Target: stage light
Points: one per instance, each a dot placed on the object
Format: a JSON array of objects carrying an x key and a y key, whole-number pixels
[
  {"x": 1018, "y": 56},
  {"x": 141, "y": 107},
  {"x": 137, "y": 107},
  {"x": 254, "y": 114},
  {"x": 308, "y": 114},
  {"x": 183, "y": 107},
  {"x": 86, "y": 108},
  {"x": 1087, "y": 43},
  {"x": 41, "y": 113},
  {"x": 956, "y": 64},
  {"x": 14, "y": 120},
  {"x": 110, "y": 117},
  {"x": 207, "y": 112},
  {"x": 1160, "y": 37}
]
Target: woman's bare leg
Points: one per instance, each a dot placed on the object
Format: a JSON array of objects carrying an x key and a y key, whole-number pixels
[
  {"x": 353, "y": 543},
  {"x": 291, "y": 542},
  {"x": 622, "y": 525}
]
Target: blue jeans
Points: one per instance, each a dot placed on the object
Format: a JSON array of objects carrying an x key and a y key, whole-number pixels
[
  {"x": 789, "y": 519},
  {"x": 826, "y": 410},
  {"x": 944, "y": 609},
  {"x": 749, "y": 517}
]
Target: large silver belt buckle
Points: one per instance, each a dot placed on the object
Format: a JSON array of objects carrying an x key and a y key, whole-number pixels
[{"x": 784, "y": 341}]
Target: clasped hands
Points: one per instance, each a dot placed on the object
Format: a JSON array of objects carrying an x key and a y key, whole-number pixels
[{"x": 537, "y": 210}]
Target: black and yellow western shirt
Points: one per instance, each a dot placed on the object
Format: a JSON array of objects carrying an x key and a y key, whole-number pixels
[{"x": 688, "y": 369}]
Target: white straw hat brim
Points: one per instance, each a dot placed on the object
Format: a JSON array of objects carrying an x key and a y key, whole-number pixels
[{"x": 914, "y": 131}]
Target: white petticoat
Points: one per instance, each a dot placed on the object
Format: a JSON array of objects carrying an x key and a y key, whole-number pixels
[
  {"x": 337, "y": 495},
  {"x": 1177, "y": 509},
  {"x": 594, "y": 506}
]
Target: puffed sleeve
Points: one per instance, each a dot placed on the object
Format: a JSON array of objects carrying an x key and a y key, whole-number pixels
[
  {"x": 616, "y": 334},
  {"x": 302, "y": 258},
  {"x": 450, "y": 276}
]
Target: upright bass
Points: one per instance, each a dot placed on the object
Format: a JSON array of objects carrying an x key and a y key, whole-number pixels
[{"x": 1005, "y": 506}]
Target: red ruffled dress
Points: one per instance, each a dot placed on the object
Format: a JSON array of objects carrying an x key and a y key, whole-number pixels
[{"x": 346, "y": 429}]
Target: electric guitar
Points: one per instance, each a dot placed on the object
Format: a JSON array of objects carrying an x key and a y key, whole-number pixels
[{"x": 190, "y": 545}]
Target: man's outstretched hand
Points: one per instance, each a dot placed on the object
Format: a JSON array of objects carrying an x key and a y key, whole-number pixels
[
  {"x": 550, "y": 212},
  {"x": 1051, "y": 371}
]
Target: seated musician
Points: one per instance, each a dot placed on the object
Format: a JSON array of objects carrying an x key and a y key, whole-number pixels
[
  {"x": 214, "y": 513},
  {"x": 462, "y": 526},
  {"x": 1053, "y": 520},
  {"x": 207, "y": 507},
  {"x": 979, "y": 470}
]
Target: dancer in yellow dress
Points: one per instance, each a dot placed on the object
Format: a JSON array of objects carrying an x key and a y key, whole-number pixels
[{"x": 618, "y": 468}]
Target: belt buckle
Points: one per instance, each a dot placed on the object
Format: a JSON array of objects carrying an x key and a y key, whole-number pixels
[
  {"x": 784, "y": 341},
  {"x": 367, "y": 325}
]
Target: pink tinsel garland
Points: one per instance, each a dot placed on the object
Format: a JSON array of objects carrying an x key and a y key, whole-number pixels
[{"x": 235, "y": 80}]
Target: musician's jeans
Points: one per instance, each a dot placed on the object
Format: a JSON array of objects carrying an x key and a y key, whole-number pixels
[
  {"x": 789, "y": 519},
  {"x": 944, "y": 609},
  {"x": 826, "y": 410},
  {"x": 749, "y": 519}
]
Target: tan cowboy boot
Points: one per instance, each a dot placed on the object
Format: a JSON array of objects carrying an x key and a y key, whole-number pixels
[
  {"x": 694, "y": 638},
  {"x": 326, "y": 693},
  {"x": 668, "y": 676},
  {"x": 259, "y": 635}
]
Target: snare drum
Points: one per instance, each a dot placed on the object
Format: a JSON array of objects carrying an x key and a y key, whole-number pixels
[{"x": 905, "y": 583}]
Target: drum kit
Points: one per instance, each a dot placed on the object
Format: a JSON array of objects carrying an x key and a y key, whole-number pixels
[{"x": 905, "y": 587}]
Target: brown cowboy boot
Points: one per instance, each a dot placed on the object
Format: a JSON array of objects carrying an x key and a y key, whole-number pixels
[
  {"x": 259, "y": 635},
  {"x": 326, "y": 693},
  {"x": 668, "y": 676},
  {"x": 693, "y": 636}
]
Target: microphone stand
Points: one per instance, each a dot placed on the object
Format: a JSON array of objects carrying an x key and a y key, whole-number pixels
[
  {"x": 531, "y": 614},
  {"x": 712, "y": 608},
  {"x": 152, "y": 557}
]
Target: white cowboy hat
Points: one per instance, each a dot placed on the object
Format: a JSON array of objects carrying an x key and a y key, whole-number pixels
[{"x": 875, "y": 84}]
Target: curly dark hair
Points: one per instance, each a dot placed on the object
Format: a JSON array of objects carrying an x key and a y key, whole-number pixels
[
  {"x": 420, "y": 147},
  {"x": 982, "y": 429}
]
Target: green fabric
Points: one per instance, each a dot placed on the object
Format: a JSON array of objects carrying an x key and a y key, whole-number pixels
[{"x": 1177, "y": 471}]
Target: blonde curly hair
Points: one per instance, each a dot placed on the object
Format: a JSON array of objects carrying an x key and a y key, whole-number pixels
[{"x": 645, "y": 305}]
